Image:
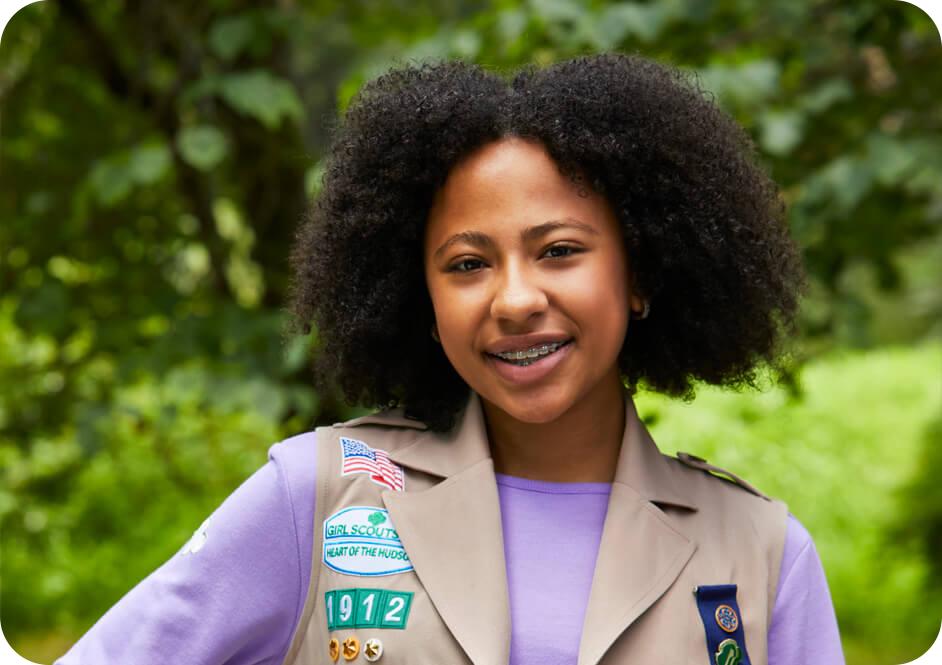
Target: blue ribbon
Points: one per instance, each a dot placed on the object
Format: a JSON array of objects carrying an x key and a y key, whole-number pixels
[{"x": 709, "y": 599}]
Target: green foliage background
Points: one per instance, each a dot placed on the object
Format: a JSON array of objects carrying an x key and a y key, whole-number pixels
[{"x": 156, "y": 158}]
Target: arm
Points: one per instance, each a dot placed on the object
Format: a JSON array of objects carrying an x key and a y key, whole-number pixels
[
  {"x": 231, "y": 596},
  {"x": 804, "y": 627}
]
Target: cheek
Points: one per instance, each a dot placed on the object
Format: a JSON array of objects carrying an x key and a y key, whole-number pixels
[
  {"x": 602, "y": 292},
  {"x": 452, "y": 309}
]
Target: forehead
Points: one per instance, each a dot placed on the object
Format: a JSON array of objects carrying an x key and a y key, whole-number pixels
[{"x": 508, "y": 184}]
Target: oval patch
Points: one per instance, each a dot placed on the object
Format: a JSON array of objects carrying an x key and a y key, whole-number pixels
[{"x": 361, "y": 540}]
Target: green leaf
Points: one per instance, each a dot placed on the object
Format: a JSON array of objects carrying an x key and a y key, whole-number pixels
[
  {"x": 825, "y": 95},
  {"x": 893, "y": 160},
  {"x": 629, "y": 19},
  {"x": 742, "y": 85},
  {"x": 511, "y": 24},
  {"x": 203, "y": 146},
  {"x": 110, "y": 181},
  {"x": 844, "y": 182},
  {"x": 781, "y": 131},
  {"x": 148, "y": 163},
  {"x": 229, "y": 36},
  {"x": 262, "y": 96},
  {"x": 557, "y": 10},
  {"x": 466, "y": 44},
  {"x": 312, "y": 178}
]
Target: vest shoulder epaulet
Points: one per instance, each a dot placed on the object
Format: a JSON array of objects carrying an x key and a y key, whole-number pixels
[
  {"x": 386, "y": 417},
  {"x": 699, "y": 463}
]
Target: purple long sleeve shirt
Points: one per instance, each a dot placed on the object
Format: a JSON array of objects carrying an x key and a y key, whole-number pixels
[{"x": 233, "y": 594}]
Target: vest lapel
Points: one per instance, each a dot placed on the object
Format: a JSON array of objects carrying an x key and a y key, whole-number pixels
[
  {"x": 452, "y": 532},
  {"x": 641, "y": 552}
]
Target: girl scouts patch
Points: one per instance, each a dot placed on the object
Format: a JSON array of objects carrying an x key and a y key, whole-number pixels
[
  {"x": 360, "y": 458},
  {"x": 360, "y": 540}
]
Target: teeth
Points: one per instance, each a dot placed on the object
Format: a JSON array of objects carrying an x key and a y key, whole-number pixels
[{"x": 531, "y": 353}]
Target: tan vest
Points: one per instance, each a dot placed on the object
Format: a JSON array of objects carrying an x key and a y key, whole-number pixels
[{"x": 670, "y": 526}]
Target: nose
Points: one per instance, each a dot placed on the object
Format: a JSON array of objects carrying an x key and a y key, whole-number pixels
[{"x": 518, "y": 296}]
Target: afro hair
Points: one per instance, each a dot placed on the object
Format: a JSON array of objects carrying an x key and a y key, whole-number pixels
[{"x": 703, "y": 225}]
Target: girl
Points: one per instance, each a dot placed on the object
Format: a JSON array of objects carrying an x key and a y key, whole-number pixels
[{"x": 498, "y": 264}]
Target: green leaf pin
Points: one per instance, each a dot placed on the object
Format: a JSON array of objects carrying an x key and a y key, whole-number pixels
[{"x": 728, "y": 653}]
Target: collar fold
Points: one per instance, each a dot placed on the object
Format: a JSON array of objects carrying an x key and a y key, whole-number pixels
[{"x": 640, "y": 464}]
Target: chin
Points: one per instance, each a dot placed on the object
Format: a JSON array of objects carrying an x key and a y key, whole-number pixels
[{"x": 534, "y": 407}]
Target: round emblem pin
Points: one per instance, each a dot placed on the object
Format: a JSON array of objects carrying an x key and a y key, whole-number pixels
[
  {"x": 726, "y": 618},
  {"x": 372, "y": 650},
  {"x": 351, "y": 648},
  {"x": 333, "y": 649}
]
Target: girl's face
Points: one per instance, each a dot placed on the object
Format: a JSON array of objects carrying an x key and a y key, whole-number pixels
[{"x": 516, "y": 260}]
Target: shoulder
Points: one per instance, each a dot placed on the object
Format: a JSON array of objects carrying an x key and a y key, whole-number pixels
[
  {"x": 391, "y": 428},
  {"x": 803, "y": 605},
  {"x": 295, "y": 462},
  {"x": 800, "y": 553},
  {"x": 295, "y": 457},
  {"x": 728, "y": 478},
  {"x": 724, "y": 498}
]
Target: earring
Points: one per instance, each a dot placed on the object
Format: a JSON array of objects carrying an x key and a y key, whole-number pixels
[
  {"x": 435, "y": 334},
  {"x": 644, "y": 312}
]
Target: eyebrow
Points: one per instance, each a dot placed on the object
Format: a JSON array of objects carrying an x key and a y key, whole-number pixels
[{"x": 484, "y": 241}]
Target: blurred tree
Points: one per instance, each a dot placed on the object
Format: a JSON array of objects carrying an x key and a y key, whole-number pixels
[{"x": 156, "y": 158}]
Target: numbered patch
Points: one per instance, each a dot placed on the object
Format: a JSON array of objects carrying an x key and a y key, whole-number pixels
[
  {"x": 360, "y": 540},
  {"x": 367, "y": 608}
]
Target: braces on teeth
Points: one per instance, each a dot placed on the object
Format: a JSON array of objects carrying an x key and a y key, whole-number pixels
[{"x": 527, "y": 357}]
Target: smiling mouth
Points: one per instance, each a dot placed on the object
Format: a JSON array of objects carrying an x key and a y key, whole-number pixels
[{"x": 531, "y": 355}]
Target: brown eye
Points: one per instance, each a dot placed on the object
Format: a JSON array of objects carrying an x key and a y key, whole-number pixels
[
  {"x": 567, "y": 250},
  {"x": 462, "y": 266}
]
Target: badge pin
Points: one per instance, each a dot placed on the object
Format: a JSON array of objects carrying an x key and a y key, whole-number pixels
[
  {"x": 333, "y": 649},
  {"x": 728, "y": 653},
  {"x": 372, "y": 649},
  {"x": 726, "y": 618},
  {"x": 351, "y": 648}
]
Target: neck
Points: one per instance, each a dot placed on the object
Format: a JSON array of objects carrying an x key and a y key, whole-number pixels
[{"x": 581, "y": 445}]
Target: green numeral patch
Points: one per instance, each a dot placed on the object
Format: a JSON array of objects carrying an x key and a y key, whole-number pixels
[
  {"x": 367, "y": 608},
  {"x": 396, "y": 606}
]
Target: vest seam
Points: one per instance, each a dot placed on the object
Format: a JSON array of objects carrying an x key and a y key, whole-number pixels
[
  {"x": 322, "y": 481},
  {"x": 299, "y": 604},
  {"x": 801, "y": 552},
  {"x": 776, "y": 569}
]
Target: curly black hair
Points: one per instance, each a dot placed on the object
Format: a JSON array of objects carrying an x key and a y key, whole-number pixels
[{"x": 704, "y": 227}]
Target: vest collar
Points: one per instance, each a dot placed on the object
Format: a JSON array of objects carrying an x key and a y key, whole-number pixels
[
  {"x": 453, "y": 534},
  {"x": 640, "y": 464}
]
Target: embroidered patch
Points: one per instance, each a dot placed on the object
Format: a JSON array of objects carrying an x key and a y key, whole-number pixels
[
  {"x": 358, "y": 457},
  {"x": 197, "y": 540},
  {"x": 360, "y": 540},
  {"x": 367, "y": 608}
]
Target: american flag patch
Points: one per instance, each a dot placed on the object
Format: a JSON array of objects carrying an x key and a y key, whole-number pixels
[{"x": 360, "y": 458}]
